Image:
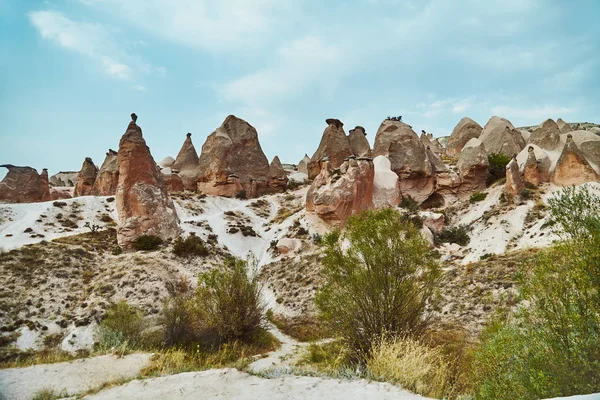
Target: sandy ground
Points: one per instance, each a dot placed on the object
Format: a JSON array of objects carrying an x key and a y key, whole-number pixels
[
  {"x": 69, "y": 377},
  {"x": 233, "y": 384}
]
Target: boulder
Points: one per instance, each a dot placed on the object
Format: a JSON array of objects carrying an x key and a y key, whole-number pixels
[
  {"x": 434, "y": 221},
  {"x": 86, "y": 178},
  {"x": 303, "y": 165},
  {"x": 473, "y": 167},
  {"x": 107, "y": 179},
  {"x": 595, "y": 130},
  {"x": 64, "y": 179},
  {"x": 288, "y": 245},
  {"x": 358, "y": 142},
  {"x": 465, "y": 130},
  {"x": 514, "y": 181},
  {"x": 588, "y": 143},
  {"x": 166, "y": 162},
  {"x": 563, "y": 126},
  {"x": 572, "y": 168},
  {"x": 23, "y": 185},
  {"x": 546, "y": 135},
  {"x": 143, "y": 203},
  {"x": 173, "y": 181},
  {"x": 334, "y": 147},
  {"x": 335, "y": 196},
  {"x": 535, "y": 171},
  {"x": 232, "y": 161},
  {"x": 60, "y": 193},
  {"x": 543, "y": 162},
  {"x": 187, "y": 164},
  {"x": 448, "y": 186},
  {"x": 386, "y": 192},
  {"x": 500, "y": 136},
  {"x": 278, "y": 179}
]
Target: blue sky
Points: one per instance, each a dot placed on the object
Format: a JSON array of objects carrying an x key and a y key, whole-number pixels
[{"x": 73, "y": 70}]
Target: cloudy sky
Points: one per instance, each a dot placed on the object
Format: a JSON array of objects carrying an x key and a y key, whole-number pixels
[{"x": 73, "y": 70}]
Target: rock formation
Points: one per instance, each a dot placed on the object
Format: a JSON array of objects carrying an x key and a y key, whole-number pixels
[
  {"x": 514, "y": 181},
  {"x": 588, "y": 143},
  {"x": 334, "y": 147},
  {"x": 535, "y": 171},
  {"x": 525, "y": 134},
  {"x": 107, "y": 178},
  {"x": 572, "y": 168},
  {"x": 64, "y": 178},
  {"x": 595, "y": 130},
  {"x": 386, "y": 192},
  {"x": 473, "y": 166},
  {"x": 277, "y": 177},
  {"x": 187, "y": 164},
  {"x": 358, "y": 142},
  {"x": 173, "y": 181},
  {"x": 232, "y": 161},
  {"x": 500, "y": 136},
  {"x": 465, "y": 130},
  {"x": 45, "y": 184},
  {"x": 303, "y": 165},
  {"x": 86, "y": 179},
  {"x": 563, "y": 126},
  {"x": 143, "y": 202},
  {"x": 23, "y": 185},
  {"x": 546, "y": 135},
  {"x": 335, "y": 196},
  {"x": 429, "y": 142},
  {"x": 166, "y": 162}
]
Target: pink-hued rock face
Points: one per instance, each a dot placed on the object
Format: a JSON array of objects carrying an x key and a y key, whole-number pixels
[
  {"x": 23, "y": 185},
  {"x": 500, "y": 136},
  {"x": 107, "y": 178},
  {"x": 535, "y": 171},
  {"x": 334, "y": 148},
  {"x": 464, "y": 131},
  {"x": 303, "y": 164},
  {"x": 142, "y": 199},
  {"x": 563, "y": 126},
  {"x": 514, "y": 181},
  {"x": 278, "y": 179},
  {"x": 232, "y": 160},
  {"x": 358, "y": 142},
  {"x": 187, "y": 164},
  {"x": 572, "y": 168},
  {"x": 86, "y": 179},
  {"x": 348, "y": 190},
  {"x": 546, "y": 135},
  {"x": 45, "y": 185}
]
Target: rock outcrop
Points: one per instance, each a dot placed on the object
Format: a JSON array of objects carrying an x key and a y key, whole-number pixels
[
  {"x": 500, "y": 136},
  {"x": 546, "y": 135},
  {"x": 23, "y": 185},
  {"x": 358, "y": 142},
  {"x": 232, "y": 161},
  {"x": 595, "y": 130},
  {"x": 588, "y": 143},
  {"x": 173, "y": 181},
  {"x": 278, "y": 179},
  {"x": 386, "y": 192},
  {"x": 473, "y": 167},
  {"x": 86, "y": 179},
  {"x": 64, "y": 179},
  {"x": 107, "y": 179},
  {"x": 572, "y": 168},
  {"x": 44, "y": 181},
  {"x": 465, "y": 130},
  {"x": 514, "y": 182},
  {"x": 166, "y": 162},
  {"x": 187, "y": 164},
  {"x": 334, "y": 147},
  {"x": 535, "y": 171},
  {"x": 303, "y": 165},
  {"x": 563, "y": 126},
  {"x": 335, "y": 196},
  {"x": 143, "y": 202}
]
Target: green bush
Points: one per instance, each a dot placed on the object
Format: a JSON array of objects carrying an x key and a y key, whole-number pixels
[
  {"x": 551, "y": 347},
  {"x": 122, "y": 326},
  {"x": 408, "y": 203},
  {"x": 147, "y": 242},
  {"x": 457, "y": 235},
  {"x": 378, "y": 284},
  {"x": 179, "y": 316},
  {"x": 497, "y": 168},
  {"x": 525, "y": 194},
  {"x": 477, "y": 196},
  {"x": 192, "y": 246}
]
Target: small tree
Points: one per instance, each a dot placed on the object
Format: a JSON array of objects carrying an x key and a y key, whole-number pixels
[
  {"x": 380, "y": 275},
  {"x": 497, "y": 168}
]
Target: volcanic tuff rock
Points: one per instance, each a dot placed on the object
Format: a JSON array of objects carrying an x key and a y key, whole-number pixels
[
  {"x": 588, "y": 143},
  {"x": 546, "y": 135},
  {"x": 232, "y": 160},
  {"x": 358, "y": 142},
  {"x": 45, "y": 185},
  {"x": 277, "y": 177},
  {"x": 594, "y": 130},
  {"x": 386, "y": 192},
  {"x": 465, "y": 130},
  {"x": 86, "y": 178},
  {"x": 514, "y": 181},
  {"x": 572, "y": 168},
  {"x": 166, "y": 162},
  {"x": 563, "y": 126},
  {"x": 23, "y": 185},
  {"x": 303, "y": 164},
  {"x": 473, "y": 166},
  {"x": 335, "y": 196},
  {"x": 500, "y": 136},
  {"x": 187, "y": 164},
  {"x": 143, "y": 202},
  {"x": 108, "y": 176},
  {"x": 430, "y": 142},
  {"x": 334, "y": 145},
  {"x": 535, "y": 171},
  {"x": 173, "y": 181},
  {"x": 64, "y": 178}
]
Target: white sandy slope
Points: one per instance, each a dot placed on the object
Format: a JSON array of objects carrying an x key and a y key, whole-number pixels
[{"x": 69, "y": 377}]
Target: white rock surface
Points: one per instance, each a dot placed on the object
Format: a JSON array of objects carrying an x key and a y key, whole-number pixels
[{"x": 385, "y": 184}]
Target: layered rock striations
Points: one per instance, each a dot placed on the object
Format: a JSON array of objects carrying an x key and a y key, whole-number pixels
[
  {"x": 334, "y": 148},
  {"x": 107, "y": 179},
  {"x": 86, "y": 178},
  {"x": 186, "y": 164}
]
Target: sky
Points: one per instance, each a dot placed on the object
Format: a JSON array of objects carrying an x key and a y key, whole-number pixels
[{"x": 72, "y": 71}]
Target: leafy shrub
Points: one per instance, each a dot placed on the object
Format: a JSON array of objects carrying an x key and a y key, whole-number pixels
[
  {"x": 411, "y": 364},
  {"x": 147, "y": 242},
  {"x": 457, "y": 235},
  {"x": 379, "y": 283},
  {"x": 179, "y": 317},
  {"x": 525, "y": 194},
  {"x": 477, "y": 196},
  {"x": 552, "y": 347},
  {"x": 192, "y": 246},
  {"x": 408, "y": 203},
  {"x": 317, "y": 238},
  {"x": 497, "y": 168},
  {"x": 121, "y": 326}
]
